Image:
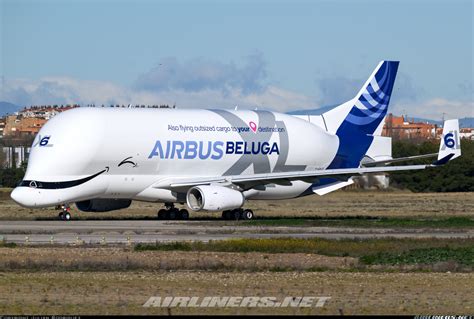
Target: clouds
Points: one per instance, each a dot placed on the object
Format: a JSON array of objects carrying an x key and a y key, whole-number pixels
[
  {"x": 197, "y": 83},
  {"x": 407, "y": 98},
  {"x": 205, "y": 83},
  {"x": 338, "y": 89},
  {"x": 434, "y": 109},
  {"x": 61, "y": 90},
  {"x": 203, "y": 74}
]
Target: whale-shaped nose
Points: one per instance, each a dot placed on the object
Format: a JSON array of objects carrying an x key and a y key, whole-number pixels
[{"x": 25, "y": 196}]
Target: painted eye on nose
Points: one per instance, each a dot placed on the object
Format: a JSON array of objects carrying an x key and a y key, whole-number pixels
[{"x": 128, "y": 161}]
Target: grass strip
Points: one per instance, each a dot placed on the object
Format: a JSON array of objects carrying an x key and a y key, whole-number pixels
[
  {"x": 345, "y": 247},
  {"x": 366, "y": 221},
  {"x": 461, "y": 255}
]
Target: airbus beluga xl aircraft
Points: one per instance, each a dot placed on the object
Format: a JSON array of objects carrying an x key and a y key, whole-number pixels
[{"x": 213, "y": 160}]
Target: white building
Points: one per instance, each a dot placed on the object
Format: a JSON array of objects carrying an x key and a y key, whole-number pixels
[{"x": 15, "y": 156}]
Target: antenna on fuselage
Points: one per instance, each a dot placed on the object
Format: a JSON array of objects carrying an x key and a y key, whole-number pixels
[{"x": 236, "y": 108}]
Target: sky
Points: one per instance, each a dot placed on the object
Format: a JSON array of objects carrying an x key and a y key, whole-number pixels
[{"x": 281, "y": 55}]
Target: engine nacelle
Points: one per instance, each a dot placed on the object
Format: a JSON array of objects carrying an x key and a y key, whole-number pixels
[
  {"x": 103, "y": 205},
  {"x": 213, "y": 198}
]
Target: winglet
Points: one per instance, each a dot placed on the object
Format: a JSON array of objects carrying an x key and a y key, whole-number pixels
[{"x": 450, "y": 146}]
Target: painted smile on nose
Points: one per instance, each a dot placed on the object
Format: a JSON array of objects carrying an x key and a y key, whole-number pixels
[{"x": 59, "y": 185}]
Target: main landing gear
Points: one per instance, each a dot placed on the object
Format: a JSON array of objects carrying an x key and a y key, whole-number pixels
[
  {"x": 172, "y": 213},
  {"x": 65, "y": 212},
  {"x": 236, "y": 214}
]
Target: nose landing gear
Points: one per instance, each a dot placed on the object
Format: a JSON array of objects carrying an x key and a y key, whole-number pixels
[
  {"x": 65, "y": 212},
  {"x": 172, "y": 213}
]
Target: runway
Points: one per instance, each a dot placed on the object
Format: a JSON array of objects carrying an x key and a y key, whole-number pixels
[{"x": 129, "y": 232}]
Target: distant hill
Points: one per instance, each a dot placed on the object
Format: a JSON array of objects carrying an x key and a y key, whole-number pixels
[
  {"x": 8, "y": 108},
  {"x": 423, "y": 120},
  {"x": 466, "y": 122}
]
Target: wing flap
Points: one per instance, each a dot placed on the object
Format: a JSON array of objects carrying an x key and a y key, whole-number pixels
[{"x": 326, "y": 189}]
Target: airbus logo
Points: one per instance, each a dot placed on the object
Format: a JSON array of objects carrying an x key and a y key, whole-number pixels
[{"x": 213, "y": 150}]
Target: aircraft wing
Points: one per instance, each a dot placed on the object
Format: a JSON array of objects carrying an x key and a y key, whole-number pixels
[
  {"x": 248, "y": 181},
  {"x": 396, "y": 160}
]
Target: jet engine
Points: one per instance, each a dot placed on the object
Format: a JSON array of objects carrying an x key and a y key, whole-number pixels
[
  {"x": 103, "y": 205},
  {"x": 213, "y": 198}
]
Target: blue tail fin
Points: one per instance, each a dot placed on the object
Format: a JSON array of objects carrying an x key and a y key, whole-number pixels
[{"x": 360, "y": 117}]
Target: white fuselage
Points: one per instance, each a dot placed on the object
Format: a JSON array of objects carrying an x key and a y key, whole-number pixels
[{"x": 134, "y": 150}]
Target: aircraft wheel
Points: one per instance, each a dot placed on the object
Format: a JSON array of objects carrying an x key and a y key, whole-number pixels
[
  {"x": 173, "y": 213},
  {"x": 66, "y": 216},
  {"x": 183, "y": 214},
  {"x": 61, "y": 216},
  {"x": 162, "y": 214},
  {"x": 226, "y": 215},
  {"x": 247, "y": 214},
  {"x": 235, "y": 214}
]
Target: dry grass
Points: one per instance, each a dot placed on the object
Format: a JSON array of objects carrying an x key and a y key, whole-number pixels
[
  {"x": 372, "y": 256},
  {"x": 126, "y": 292},
  {"x": 124, "y": 259}
]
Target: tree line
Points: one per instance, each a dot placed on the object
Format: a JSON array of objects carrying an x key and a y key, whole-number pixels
[{"x": 456, "y": 176}]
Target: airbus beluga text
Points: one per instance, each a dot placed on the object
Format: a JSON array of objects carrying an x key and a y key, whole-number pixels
[{"x": 213, "y": 160}]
